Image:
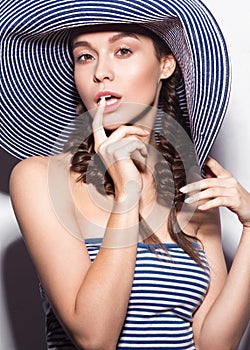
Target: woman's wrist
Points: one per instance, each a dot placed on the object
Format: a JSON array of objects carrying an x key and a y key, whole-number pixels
[
  {"x": 121, "y": 237},
  {"x": 127, "y": 198}
]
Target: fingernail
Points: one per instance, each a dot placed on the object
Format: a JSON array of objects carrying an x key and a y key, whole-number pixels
[
  {"x": 102, "y": 100},
  {"x": 183, "y": 189},
  {"x": 189, "y": 200}
]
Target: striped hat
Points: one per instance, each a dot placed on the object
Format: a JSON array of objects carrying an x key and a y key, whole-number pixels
[{"x": 38, "y": 93}]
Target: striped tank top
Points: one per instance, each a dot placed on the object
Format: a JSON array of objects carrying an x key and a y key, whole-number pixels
[{"x": 167, "y": 289}]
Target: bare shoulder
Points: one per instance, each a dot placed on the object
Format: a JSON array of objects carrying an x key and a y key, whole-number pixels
[
  {"x": 209, "y": 224},
  {"x": 204, "y": 224},
  {"x": 28, "y": 169},
  {"x": 34, "y": 171},
  {"x": 28, "y": 184}
]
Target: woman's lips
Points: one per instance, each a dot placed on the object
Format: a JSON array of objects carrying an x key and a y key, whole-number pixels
[
  {"x": 113, "y": 100},
  {"x": 112, "y": 104}
]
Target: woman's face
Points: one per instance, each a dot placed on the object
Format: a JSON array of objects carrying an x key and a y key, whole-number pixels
[{"x": 122, "y": 67}]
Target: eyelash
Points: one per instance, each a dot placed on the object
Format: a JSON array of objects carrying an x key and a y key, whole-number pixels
[
  {"x": 84, "y": 57},
  {"x": 126, "y": 53}
]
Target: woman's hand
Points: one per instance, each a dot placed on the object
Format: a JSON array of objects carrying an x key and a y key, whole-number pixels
[
  {"x": 220, "y": 189},
  {"x": 122, "y": 153}
]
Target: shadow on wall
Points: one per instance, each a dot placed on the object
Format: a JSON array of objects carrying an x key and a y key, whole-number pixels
[
  {"x": 7, "y": 162},
  {"x": 23, "y": 302}
]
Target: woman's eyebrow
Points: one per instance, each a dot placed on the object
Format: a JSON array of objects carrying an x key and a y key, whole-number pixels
[
  {"x": 112, "y": 39},
  {"x": 81, "y": 43},
  {"x": 122, "y": 35}
]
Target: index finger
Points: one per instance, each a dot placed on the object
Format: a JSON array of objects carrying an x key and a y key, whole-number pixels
[
  {"x": 216, "y": 168},
  {"x": 217, "y": 171},
  {"x": 97, "y": 125}
]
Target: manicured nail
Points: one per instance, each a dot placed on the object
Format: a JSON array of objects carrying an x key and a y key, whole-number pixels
[
  {"x": 183, "y": 189},
  {"x": 189, "y": 200},
  {"x": 102, "y": 100}
]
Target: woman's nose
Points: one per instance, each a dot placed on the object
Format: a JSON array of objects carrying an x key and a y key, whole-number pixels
[{"x": 103, "y": 71}]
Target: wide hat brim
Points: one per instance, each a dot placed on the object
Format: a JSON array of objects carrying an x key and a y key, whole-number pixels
[{"x": 38, "y": 93}]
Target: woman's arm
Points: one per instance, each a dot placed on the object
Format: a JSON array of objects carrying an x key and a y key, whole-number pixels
[
  {"x": 89, "y": 299},
  {"x": 228, "y": 317},
  {"x": 210, "y": 236},
  {"x": 226, "y": 310}
]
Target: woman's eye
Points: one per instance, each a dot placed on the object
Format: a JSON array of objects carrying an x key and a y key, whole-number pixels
[
  {"x": 124, "y": 52},
  {"x": 84, "y": 57}
]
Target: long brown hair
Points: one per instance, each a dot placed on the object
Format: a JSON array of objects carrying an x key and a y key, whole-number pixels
[{"x": 172, "y": 174}]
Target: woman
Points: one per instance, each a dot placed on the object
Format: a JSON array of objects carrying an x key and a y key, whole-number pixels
[{"x": 170, "y": 289}]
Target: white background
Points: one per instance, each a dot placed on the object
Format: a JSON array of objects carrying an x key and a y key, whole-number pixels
[{"x": 21, "y": 314}]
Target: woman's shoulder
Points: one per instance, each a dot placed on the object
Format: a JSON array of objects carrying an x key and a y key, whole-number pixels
[
  {"x": 29, "y": 166},
  {"x": 37, "y": 166},
  {"x": 28, "y": 176},
  {"x": 209, "y": 226}
]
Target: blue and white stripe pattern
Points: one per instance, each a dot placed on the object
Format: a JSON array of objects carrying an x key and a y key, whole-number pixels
[
  {"x": 38, "y": 93},
  {"x": 167, "y": 289}
]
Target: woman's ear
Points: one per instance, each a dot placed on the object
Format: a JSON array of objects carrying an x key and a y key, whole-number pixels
[{"x": 168, "y": 64}]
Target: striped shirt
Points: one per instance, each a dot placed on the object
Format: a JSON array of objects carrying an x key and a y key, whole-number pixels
[{"x": 167, "y": 289}]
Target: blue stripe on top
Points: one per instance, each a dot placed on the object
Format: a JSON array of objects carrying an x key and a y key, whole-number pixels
[{"x": 167, "y": 289}]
